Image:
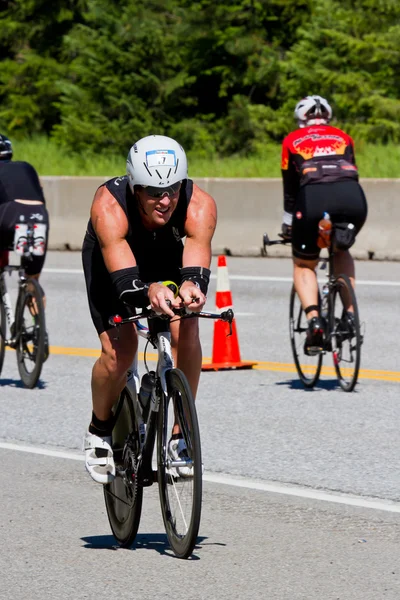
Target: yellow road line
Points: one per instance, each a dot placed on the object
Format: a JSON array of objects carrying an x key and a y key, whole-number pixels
[
  {"x": 327, "y": 370},
  {"x": 261, "y": 365}
]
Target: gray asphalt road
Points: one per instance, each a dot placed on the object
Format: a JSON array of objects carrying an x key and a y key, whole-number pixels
[
  {"x": 259, "y": 425},
  {"x": 57, "y": 544}
]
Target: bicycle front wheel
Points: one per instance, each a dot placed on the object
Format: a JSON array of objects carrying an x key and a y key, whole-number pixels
[
  {"x": 30, "y": 329},
  {"x": 3, "y": 330},
  {"x": 179, "y": 478},
  {"x": 308, "y": 367},
  {"x": 346, "y": 335},
  {"x": 123, "y": 496}
]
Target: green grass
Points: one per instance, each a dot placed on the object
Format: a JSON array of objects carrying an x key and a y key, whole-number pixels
[{"x": 49, "y": 159}]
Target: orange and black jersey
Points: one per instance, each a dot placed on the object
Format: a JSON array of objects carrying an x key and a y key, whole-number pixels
[{"x": 315, "y": 154}]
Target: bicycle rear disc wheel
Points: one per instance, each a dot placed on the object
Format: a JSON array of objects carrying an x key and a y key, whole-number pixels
[
  {"x": 308, "y": 367},
  {"x": 346, "y": 335},
  {"x": 30, "y": 329},
  {"x": 3, "y": 330},
  {"x": 180, "y": 489},
  {"x": 123, "y": 496}
]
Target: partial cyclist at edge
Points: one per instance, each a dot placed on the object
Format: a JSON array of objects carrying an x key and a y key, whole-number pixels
[
  {"x": 132, "y": 246},
  {"x": 320, "y": 176},
  {"x": 22, "y": 203}
]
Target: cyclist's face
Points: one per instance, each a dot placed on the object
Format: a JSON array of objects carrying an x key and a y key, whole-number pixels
[{"x": 158, "y": 211}]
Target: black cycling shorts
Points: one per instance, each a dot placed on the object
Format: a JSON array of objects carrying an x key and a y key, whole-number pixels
[
  {"x": 103, "y": 300},
  {"x": 10, "y": 213},
  {"x": 343, "y": 200}
]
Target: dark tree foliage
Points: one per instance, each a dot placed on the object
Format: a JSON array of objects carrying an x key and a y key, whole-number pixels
[{"x": 221, "y": 76}]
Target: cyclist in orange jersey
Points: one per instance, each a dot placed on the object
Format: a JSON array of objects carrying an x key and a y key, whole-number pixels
[{"x": 320, "y": 176}]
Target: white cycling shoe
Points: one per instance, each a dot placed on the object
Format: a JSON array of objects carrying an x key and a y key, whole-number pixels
[
  {"x": 177, "y": 450},
  {"x": 99, "y": 459}
]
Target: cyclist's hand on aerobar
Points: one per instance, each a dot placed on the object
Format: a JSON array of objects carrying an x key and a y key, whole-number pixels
[
  {"x": 286, "y": 232},
  {"x": 158, "y": 296},
  {"x": 192, "y": 297}
]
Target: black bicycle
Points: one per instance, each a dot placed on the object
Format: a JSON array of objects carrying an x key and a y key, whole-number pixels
[
  {"x": 137, "y": 424},
  {"x": 26, "y": 326},
  {"x": 342, "y": 333}
]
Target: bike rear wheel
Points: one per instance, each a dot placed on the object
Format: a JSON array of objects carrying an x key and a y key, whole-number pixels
[
  {"x": 30, "y": 331},
  {"x": 346, "y": 335},
  {"x": 3, "y": 330},
  {"x": 180, "y": 488},
  {"x": 123, "y": 496},
  {"x": 308, "y": 367}
]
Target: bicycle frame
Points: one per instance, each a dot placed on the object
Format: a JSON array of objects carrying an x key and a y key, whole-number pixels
[
  {"x": 10, "y": 314},
  {"x": 147, "y": 430},
  {"x": 158, "y": 334}
]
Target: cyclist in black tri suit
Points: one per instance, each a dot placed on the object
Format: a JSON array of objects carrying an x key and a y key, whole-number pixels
[
  {"x": 22, "y": 203},
  {"x": 319, "y": 175},
  {"x": 132, "y": 245}
]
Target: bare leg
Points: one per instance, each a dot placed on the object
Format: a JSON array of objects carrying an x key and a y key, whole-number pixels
[
  {"x": 305, "y": 283},
  {"x": 187, "y": 353},
  {"x": 344, "y": 263},
  {"x": 118, "y": 348}
]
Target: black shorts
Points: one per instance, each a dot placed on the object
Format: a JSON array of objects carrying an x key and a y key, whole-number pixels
[
  {"x": 343, "y": 200},
  {"x": 10, "y": 214},
  {"x": 103, "y": 300}
]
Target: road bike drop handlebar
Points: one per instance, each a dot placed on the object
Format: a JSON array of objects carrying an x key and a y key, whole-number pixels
[{"x": 181, "y": 312}]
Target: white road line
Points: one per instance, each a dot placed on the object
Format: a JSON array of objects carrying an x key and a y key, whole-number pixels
[
  {"x": 243, "y": 278},
  {"x": 43, "y": 451},
  {"x": 241, "y": 482}
]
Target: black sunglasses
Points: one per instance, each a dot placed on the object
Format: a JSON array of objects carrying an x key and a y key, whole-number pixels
[{"x": 155, "y": 192}]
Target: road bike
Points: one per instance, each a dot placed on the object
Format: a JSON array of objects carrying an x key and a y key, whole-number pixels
[
  {"x": 138, "y": 423},
  {"x": 26, "y": 325},
  {"x": 342, "y": 330}
]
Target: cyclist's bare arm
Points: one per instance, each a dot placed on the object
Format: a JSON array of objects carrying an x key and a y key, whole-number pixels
[
  {"x": 200, "y": 224},
  {"x": 111, "y": 226}
]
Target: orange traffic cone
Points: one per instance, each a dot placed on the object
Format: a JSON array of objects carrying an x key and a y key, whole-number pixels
[{"x": 226, "y": 353}]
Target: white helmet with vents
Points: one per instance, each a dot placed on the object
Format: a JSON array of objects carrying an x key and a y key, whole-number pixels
[
  {"x": 313, "y": 110},
  {"x": 157, "y": 161}
]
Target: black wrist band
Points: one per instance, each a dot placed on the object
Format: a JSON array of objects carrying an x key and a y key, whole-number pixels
[{"x": 200, "y": 276}]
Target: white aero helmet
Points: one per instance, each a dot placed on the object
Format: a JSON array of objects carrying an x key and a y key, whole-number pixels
[
  {"x": 157, "y": 161},
  {"x": 313, "y": 110}
]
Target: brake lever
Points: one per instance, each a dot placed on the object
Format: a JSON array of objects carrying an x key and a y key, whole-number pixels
[{"x": 228, "y": 316}]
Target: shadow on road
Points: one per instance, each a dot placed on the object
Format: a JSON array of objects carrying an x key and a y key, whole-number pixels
[
  {"x": 145, "y": 541},
  {"x": 322, "y": 384},
  {"x": 17, "y": 383}
]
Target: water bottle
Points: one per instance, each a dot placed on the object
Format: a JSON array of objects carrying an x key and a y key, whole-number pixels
[
  {"x": 20, "y": 236},
  {"x": 146, "y": 388},
  {"x": 324, "y": 229},
  {"x": 39, "y": 239}
]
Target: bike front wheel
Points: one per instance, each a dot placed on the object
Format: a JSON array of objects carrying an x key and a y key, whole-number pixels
[
  {"x": 308, "y": 367},
  {"x": 179, "y": 477},
  {"x": 30, "y": 331},
  {"x": 346, "y": 335},
  {"x": 123, "y": 496}
]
